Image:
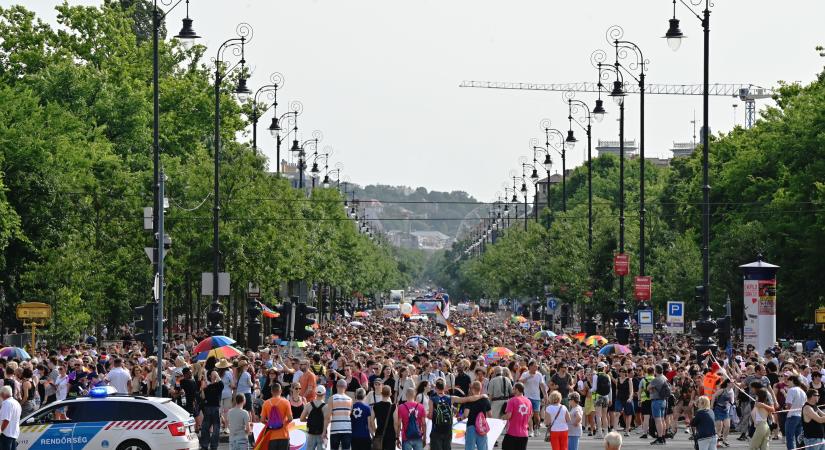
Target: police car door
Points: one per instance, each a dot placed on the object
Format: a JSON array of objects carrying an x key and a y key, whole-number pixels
[{"x": 46, "y": 429}]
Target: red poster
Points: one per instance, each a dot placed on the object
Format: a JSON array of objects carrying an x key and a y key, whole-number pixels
[
  {"x": 621, "y": 264},
  {"x": 767, "y": 297},
  {"x": 642, "y": 288}
]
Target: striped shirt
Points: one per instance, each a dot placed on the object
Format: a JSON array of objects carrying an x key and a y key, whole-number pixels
[{"x": 341, "y": 409}]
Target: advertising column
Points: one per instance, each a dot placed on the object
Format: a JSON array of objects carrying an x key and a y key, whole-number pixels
[{"x": 759, "y": 286}]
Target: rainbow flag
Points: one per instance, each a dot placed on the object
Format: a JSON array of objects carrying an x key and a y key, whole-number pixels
[{"x": 267, "y": 312}]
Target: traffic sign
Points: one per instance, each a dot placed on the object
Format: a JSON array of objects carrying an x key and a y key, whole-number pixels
[
  {"x": 34, "y": 311},
  {"x": 645, "y": 319},
  {"x": 621, "y": 264},
  {"x": 675, "y": 317},
  {"x": 552, "y": 303},
  {"x": 642, "y": 288},
  {"x": 820, "y": 315}
]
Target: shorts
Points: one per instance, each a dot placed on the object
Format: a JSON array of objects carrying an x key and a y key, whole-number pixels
[
  {"x": 602, "y": 401},
  {"x": 514, "y": 443},
  {"x": 658, "y": 408},
  {"x": 536, "y": 405},
  {"x": 720, "y": 414},
  {"x": 340, "y": 440},
  {"x": 646, "y": 407},
  {"x": 226, "y": 403},
  {"x": 623, "y": 407}
]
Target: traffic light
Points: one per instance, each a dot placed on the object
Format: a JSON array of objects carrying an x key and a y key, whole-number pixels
[
  {"x": 304, "y": 323},
  {"x": 145, "y": 320},
  {"x": 280, "y": 324},
  {"x": 723, "y": 331}
]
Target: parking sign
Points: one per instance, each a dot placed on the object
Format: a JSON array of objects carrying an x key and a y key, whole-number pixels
[{"x": 675, "y": 317}]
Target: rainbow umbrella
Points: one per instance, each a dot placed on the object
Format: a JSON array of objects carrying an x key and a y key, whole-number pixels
[
  {"x": 212, "y": 342},
  {"x": 564, "y": 338},
  {"x": 362, "y": 314},
  {"x": 544, "y": 334},
  {"x": 595, "y": 340},
  {"x": 611, "y": 349},
  {"x": 579, "y": 336},
  {"x": 15, "y": 353},
  {"x": 498, "y": 353},
  {"x": 518, "y": 319},
  {"x": 227, "y": 351}
]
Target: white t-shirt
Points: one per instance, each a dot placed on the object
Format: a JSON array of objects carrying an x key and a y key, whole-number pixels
[
  {"x": 11, "y": 411},
  {"x": 796, "y": 398},
  {"x": 532, "y": 385},
  {"x": 119, "y": 378},
  {"x": 61, "y": 387},
  {"x": 560, "y": 424}
]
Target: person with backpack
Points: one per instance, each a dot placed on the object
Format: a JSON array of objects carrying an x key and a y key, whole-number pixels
[
  {"x": 337, "y": 418},
  {"x": 410, "y": 423},
  {"x": 644, "y": 398},
  {"x": 601, "y": 398},
  {"x": 478, "y": 410},
  {"x": 313, "y": 415},
  {"x": 659, "y": 390},
  {"x": 441, "y": 415},
  {"x": 275, "y": 415}
]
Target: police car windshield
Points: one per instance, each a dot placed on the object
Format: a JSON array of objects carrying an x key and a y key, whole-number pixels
[{"x": 175, "y": 408}]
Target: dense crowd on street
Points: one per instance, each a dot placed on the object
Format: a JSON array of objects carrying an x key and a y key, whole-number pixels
[{"x": 371, "y": 385}]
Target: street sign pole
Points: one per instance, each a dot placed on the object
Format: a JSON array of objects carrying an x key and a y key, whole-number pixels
[{"x": 160, "y": 254}]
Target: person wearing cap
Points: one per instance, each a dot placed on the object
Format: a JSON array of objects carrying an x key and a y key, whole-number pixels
[{"x": 313, "y": 415}]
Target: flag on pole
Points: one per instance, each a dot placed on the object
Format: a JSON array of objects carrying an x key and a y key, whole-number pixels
[{"x": 267, "y": 312}]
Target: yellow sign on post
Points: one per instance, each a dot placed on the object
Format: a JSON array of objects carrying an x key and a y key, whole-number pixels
[
  {"x": 820, "y": 315},
  {"x": 34, "y": 314}
]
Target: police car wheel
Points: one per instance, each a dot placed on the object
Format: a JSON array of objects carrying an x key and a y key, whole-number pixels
[{"x": 133, "y": 444}]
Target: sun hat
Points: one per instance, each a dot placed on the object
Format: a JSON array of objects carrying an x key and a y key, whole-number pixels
[{"x": 223, "y": 364}]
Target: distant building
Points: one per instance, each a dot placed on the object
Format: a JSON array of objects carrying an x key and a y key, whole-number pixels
[
  {"x": 432, "y": 240},
  {"x": 683, "y": 149},
  {"x": 544, "y": 185},
  {"x": 659, "y": 162},
  {"x": 402, "y": 239},
  {"x": 612, "y": 148}
]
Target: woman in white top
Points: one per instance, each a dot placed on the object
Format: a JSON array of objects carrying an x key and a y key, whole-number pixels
[
  {"x": 759, "y": 414},
  {"x": 574, "y": 426},
  {"x": 557, "y": 417}
]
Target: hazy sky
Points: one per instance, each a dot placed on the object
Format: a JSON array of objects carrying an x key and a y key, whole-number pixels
[{"x": 380, "y": 77}]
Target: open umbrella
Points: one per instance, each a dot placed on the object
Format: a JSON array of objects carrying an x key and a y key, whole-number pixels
[
  {"x": 496, "y": 353},
  {"x": 14, "y": 353},
  {"x": 227, "y": 351},
  {"x": 212, "y": 342},
  {"x": 518, "y": 319},
  {"x": 461, "y": 330},
  {"x": 579, "y": 336},
  {"x": 356, "y": 323},
  {"x": 544, "y": 334},
  {"x": 595, "y": 340},
  {"x": 362, "y": 314},
  {"x": 614, "y": 349},
  {"x": 564, "y": 338},
  {"x": 415, "y": 341}
]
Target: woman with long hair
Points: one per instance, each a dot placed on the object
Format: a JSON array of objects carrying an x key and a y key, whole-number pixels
[{"x": 759, "y": 417}]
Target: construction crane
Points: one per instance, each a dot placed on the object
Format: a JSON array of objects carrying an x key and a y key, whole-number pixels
[{"x": 748, "y": 93}]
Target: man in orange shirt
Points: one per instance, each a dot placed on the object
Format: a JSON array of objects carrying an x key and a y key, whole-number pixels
[
  {"x": 275, "y": 438},
  {"x": 308, "y": 381}
]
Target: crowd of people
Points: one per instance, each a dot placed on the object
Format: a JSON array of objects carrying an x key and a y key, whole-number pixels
[{"x": 373, "y": 385}]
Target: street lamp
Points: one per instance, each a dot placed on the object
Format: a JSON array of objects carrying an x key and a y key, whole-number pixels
[
  {"x": 237, "y": 46},
  {"x": 547, "y": 163},
  {"x": 301, "y": 150},
  {"x": 275, "y": 127},
  {"x": 276, "y": 83},
  {"x": 614, "y": 36},
  {"x": 545, "y": 125},
  {"x": 674, "y": 37},
  {"x": 575, "y": 106}
]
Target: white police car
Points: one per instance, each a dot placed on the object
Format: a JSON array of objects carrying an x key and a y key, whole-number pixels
[{"x": 106, "y": 421}]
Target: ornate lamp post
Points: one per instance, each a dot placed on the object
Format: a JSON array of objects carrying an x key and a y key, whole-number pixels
[
  {"x": 275, "y": 129},
  {"x": 674, "y": 38},
  {"x": 236, "y": 45},
  {"x": 565, "y": 146},
  {"x": 316, "y": 137},
  {"x": 575, "y": 106},
  {"x": 276, "y": 83}
]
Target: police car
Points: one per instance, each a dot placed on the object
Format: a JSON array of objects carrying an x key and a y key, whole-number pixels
[{"x": 104, "y": 420}]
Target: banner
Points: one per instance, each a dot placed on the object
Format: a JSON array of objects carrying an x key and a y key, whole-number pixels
[{"x": 751, "y": 310}]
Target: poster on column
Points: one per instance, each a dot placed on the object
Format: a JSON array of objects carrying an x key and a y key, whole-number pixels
[{"x": 751, "y": 312}]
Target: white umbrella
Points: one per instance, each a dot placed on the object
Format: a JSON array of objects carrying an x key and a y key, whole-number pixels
[
  {"x": 356, "y": 323},
  {"x": 415, "y": 341}
]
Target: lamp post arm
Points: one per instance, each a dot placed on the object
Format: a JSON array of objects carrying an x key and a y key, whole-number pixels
[{"x": 170, "y": 6}]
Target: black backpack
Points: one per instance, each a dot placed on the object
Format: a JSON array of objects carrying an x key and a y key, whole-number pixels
[
  {"x": 602, "y": 384},
  {"x": 665, "y": 392},
  {"x": 442, "y": 414},
  {"x": 315, "y": 419}
]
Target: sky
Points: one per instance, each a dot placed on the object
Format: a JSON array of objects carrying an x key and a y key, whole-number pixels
[{"x": 380, "y": 78}]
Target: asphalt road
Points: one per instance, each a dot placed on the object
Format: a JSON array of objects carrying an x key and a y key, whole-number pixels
[{"x": 681, "y": 442}]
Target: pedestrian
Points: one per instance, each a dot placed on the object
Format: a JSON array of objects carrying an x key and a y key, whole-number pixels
[
  {"x": 119, "y": 377},
  {"x": 337, "y": 417},
  {"x": 556, "y": 418},
  {"x": 383, "y": 412},
  {"x": 313, "y": 415},
  {"x": 760, "y": 413},
  {"x": 623, "y": 402},
  {"x": 795, "y": 398},
  {"x": 361, "y": 422},
  {"x": 574, "y": 426},
  {"x": 239, "y": 424},
  {"x": 812, "y": 421},
  {"x": 440, "y": 413},
  {"x": 410, "y": 426},
  {"x": 228, "y": 380},
  {"x": 276, "y": 416},
  {"x": 703, "y": 423},
  {"x": 533, "y": 387},
  {"x": 475, "y": 406},
  {"x": 518, "y": 412},
  {"x": 27, "y": 392},
  {"x": 602, "y": 385},
  {"x": 613, "y": 441},
  {"x": 9, "y": 419},
  {"x": 660, "y": 391},
  {"x": 211, "y": 424},
  {"x": 722, "y": 399}
]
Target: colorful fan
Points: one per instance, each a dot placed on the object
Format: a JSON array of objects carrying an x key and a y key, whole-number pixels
[
  {"x": 227, "y": 351},
  {"x": 614, "y": 349},
  {"x": 212, "y": 342}
]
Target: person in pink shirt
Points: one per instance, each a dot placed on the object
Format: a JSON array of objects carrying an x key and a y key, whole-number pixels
[{"x": 517, "y": 413}]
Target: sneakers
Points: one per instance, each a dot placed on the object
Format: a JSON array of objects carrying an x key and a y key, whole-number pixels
[
  {"x": 659, "y": 441},
  {"x": 531, "y": 434},
  {"x": 626, "y": 434},
  {"x": 643, "y": 436}
]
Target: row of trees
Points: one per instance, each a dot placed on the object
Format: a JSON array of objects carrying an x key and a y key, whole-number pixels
[
  {"x": 768, "y": 192},
  {"x": 75, "y": 155}
]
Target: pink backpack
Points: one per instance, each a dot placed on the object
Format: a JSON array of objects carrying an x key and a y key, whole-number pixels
[{"x": 482, "y": 427}]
